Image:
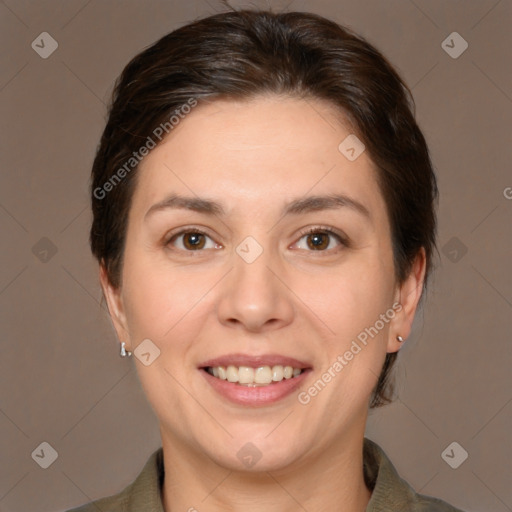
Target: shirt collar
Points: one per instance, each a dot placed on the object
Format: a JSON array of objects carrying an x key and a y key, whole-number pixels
[
  {"x": 146, "y": 490},
  {"x": 389, "y": 491}
]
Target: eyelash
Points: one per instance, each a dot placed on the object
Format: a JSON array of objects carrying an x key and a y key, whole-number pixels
[
  {"x": 309, "y": 231},
  {"x": 190, "y": 229},
  {"x": 326, "y": 230}
]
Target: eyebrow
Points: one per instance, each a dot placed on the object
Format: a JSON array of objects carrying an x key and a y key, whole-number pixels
[{"x": 294, "y": 207}]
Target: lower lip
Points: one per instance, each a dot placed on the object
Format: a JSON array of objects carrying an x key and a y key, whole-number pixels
[{"x": 255, "y": 396}]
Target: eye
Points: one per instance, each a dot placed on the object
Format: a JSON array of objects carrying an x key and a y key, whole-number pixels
[
  {"x": 192, "y": 239},
  {"x": 321, "y": 239}
]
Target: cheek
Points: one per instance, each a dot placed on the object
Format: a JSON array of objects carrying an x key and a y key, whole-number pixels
[
  {"x": 355, "y": 351},
  {"x": 160, "y": 299},
  {"x": 351, "y": 298},
  {"x": 350, "y": 303}
]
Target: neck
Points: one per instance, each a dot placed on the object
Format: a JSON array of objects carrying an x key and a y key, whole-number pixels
[{"x": 194, "y": 483}]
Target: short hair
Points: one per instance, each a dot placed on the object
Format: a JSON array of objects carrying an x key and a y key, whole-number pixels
[{"x": 240, "y": 55}]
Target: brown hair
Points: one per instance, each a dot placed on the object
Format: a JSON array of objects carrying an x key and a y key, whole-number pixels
[{"x": 241, "y": 54}]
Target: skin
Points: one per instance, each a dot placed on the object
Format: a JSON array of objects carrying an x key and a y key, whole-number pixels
[{"x": 253, "y": 157}]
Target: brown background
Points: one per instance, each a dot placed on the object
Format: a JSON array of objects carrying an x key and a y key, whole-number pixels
[{"x": 61, "y": 378}]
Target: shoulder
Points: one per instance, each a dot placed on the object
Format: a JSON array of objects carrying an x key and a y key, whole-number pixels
[
  {"x": 422, "y": 503},
  {"x": 144, "y": 493},
  {"x": 116, "y": 503},
  {"x": 389, "y": 491}
]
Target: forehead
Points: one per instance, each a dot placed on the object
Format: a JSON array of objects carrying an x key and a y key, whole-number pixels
[
  {"x": 277, "y": 125},
  {"x": 258, "y": 152}
]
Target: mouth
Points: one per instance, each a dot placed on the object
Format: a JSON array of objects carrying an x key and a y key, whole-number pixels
[{"x": 254, "y": 381}]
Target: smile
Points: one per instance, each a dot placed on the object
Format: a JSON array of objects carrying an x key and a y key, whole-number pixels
[
  {"x": 254, "y": 377},
  {"x": 254, "y": 380}
]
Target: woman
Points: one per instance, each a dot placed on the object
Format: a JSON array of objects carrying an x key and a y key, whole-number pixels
[{"x": 264, "y": 222}]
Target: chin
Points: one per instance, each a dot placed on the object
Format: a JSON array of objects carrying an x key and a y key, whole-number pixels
[
  {"x": 252, "y": 451},
  {"x": 256, "y": 458}
]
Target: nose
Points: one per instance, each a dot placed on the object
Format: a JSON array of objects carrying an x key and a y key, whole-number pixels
[{"x": 255, "y": 296}]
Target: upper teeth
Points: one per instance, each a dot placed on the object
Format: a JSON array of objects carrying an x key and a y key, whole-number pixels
[{"x": 248, "y": 375}]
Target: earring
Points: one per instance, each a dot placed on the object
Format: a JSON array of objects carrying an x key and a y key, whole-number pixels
[
  {"x": 400, "y": 339},
  {"x": 124, "y": 352}
]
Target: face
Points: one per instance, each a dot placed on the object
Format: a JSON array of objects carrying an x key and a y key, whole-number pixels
[{"x": 232, "y": 268}]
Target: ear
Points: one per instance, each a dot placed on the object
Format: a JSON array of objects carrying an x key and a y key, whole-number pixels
[
  {"x": 407, "y": 296},
  {"x": 115, "y": 306}
]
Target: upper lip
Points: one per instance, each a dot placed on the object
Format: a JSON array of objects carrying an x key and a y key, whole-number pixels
[{"x": 254, "y": 361}]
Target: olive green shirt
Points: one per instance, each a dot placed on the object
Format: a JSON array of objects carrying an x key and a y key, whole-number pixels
[{"x": 389, "y": 492}]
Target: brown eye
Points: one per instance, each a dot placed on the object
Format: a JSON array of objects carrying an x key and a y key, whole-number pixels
[
  {"x": 320, "y": 239},
  {"x": 317, "y": 241},
  {"x": 192, "y": 240}
]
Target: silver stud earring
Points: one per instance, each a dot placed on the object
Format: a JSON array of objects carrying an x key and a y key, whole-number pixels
[
  {"x": 124, "y": 352},
  {"x": 400, "y": 339}
]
